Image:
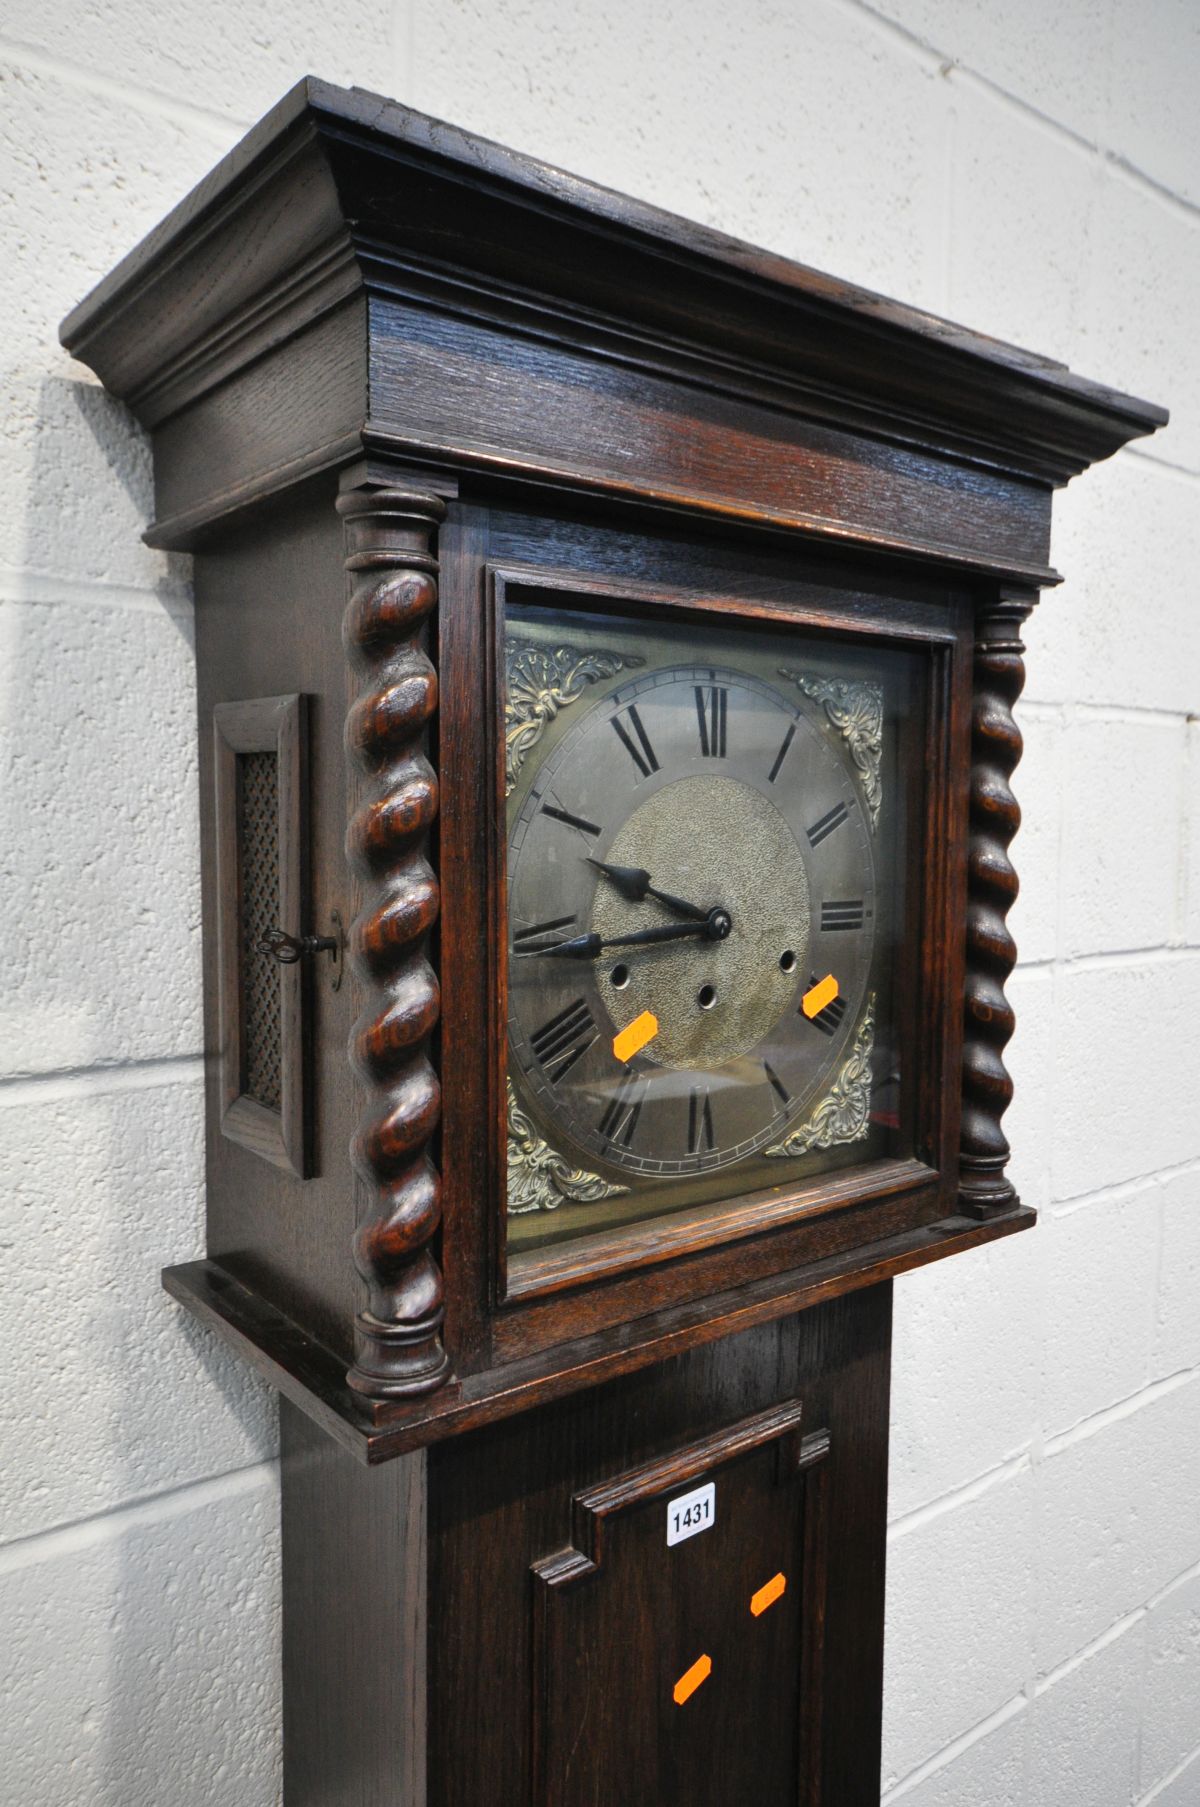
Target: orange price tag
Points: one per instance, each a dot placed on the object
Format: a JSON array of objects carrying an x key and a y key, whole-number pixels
[
  {"x": 817, "y": 996},
  {"x": 767, "y": 1594},
  {"x": 692, "y": 1678},
  {"x": 634, "y": 1037}
]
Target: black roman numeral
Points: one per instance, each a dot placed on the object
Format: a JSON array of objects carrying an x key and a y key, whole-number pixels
[
  {"x": 539, "y": 932},
  {"x": 564, "y": 815},
  {"x": 828, "y": 1021},
  {"x": 776, "y": 1084},
  {"x": 565, "y": 1039},
  {"x": 636, "y": 741},
  {"x": 782, "y": 754},
  {"x": 847, "y": 915},
  {"x": 833, "y": 819},
  {"x": 711, "y": 708},
  {"x": 700, "y": 1122},
  {"x": 620, "y": 1118}
]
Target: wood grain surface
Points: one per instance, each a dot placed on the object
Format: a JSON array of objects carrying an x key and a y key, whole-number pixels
[{"x": 390, "y": 536}]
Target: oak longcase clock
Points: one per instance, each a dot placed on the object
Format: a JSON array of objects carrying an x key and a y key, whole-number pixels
[{"x": 607, "y": 642}]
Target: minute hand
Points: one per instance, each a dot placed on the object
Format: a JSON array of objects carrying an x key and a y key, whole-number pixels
[{"x": 586, "y": 947}]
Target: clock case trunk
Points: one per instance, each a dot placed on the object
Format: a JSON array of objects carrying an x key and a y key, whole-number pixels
[{"x": 496, "y": 1621}]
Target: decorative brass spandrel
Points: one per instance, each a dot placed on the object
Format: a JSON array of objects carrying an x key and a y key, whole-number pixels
[
  {"x": 541, "y": 680},
  {"x": 843, "y": 1115},
  {"x": 856, "y": 711},
  {"x": 539, "y": 1178}
]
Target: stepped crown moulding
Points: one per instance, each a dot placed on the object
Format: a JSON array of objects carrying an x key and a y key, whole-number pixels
[{"x": 342, "y": 213}]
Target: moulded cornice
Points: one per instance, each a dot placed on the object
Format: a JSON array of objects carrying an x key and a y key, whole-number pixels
[{"x": 338, "y": 193}]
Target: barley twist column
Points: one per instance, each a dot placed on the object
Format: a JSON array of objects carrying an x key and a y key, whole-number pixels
[
  {"x": 391, "y": 535},
  {"x": 995, "y": 815}
]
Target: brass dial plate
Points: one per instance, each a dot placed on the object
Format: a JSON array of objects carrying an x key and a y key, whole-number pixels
[{"x": 728, "y": 791}]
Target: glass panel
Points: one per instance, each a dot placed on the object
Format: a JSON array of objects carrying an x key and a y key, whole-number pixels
[{"x": 707, "y": 842}]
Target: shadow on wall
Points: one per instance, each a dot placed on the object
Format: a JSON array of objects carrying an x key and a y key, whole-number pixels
[
  {"x": 99, "y": 817},
  {"x": 156, "y": 1631}
]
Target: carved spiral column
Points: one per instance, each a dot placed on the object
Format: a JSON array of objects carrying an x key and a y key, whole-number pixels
[
  {"x": 390, "y": 537},
  {"x": 995, "y": 816}
]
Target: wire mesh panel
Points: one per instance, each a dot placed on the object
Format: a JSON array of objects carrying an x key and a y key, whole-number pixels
[
  {"x": 258, "y": 862},
  {"x": 258, "y": 779}
]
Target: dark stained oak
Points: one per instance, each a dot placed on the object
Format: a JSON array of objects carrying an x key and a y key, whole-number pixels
[
  {"x": 258, "y": 634},
  {"x": 434, "y": 1651},
  {"x": 790, "y": 1422},
  {"x": 398, "y": 378},
  {"x": 292, "y": 1244},
  {"x": 547, "y": 413},
  {"x": 984, "y": 1189},
  {"x": 355, "y": 1616},
  {"x": 306, "y": 1373},
  {"x": 269, "y": 242},
  {"x": 698, "y": 1626},
  {"x": 274, "y": 725},
  {"x": 398, "y": 1345}
]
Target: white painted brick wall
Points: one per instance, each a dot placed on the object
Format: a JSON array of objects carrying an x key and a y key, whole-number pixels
[
  {"x": 1118, "y": 1517},
  {"x": 1083, "y": 1735},
  {"x": 1172, "y": 1683},
  {"x": 985, "y": 1769},
  {"x": 1031, "y": 169},
  {"x": 1180, "y": 1789},
  {"x": 1098, "y": 1264},
  {"x": 1177, "y": 1330},
  {"x": 958, "y": 1628},
  {"x": 141, "y": 1658},
  {"x": 1121, "y": 839},
  {"x": 122, "y": 1398}
]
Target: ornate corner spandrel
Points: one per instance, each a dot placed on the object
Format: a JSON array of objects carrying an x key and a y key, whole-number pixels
[
  {"x": 995, "y": 815},
  {"x": 539, "y": 1178},
  {"x": 390, "y": 540},
  {"x": 844, "y": 1113},
  {"x": 541, "y": 680},
  {"x": 856, "y": 711}
]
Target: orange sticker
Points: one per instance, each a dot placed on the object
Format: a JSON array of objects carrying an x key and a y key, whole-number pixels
[
  {"x": 691, "y": 1679},
  {"x": 767, "y": 1594},
  {"x": 823, "y": 992},
  {"x": 635, "y": 1035}
]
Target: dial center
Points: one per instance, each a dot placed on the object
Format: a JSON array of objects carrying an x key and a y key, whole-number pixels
[
  {"x": 718, "y": 925},
  {"x": 727, "y": 848}
]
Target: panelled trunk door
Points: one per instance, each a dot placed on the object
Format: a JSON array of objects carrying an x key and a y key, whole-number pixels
[{"x": 675, "y": 1673}]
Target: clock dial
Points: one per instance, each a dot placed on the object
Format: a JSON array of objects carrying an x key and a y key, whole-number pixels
[{"x": 692, "y": 917}]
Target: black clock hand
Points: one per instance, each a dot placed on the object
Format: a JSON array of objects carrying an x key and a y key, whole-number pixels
[
  {"x": 633, "y": 882},
  {"x": 586, "y": 947},
  {"x": 715, "y": 927}
]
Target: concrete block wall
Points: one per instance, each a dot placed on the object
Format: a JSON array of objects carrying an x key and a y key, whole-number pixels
[{"x": 1032, "y": 170}]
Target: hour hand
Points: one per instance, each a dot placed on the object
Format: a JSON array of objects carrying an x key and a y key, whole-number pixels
[{"x": 633, "y": 882}]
